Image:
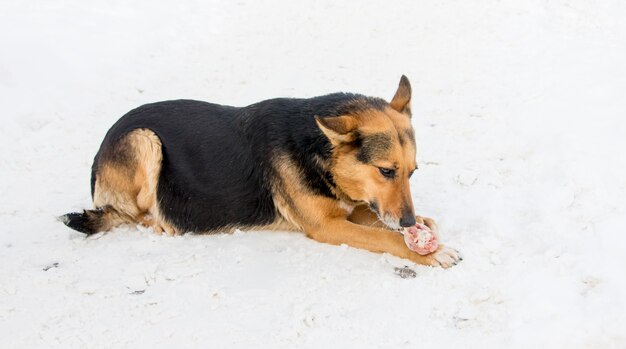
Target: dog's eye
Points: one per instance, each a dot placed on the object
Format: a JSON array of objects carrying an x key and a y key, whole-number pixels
[
  {"x": 387, "y": 172},
  {"x": 411, "y": 173}
]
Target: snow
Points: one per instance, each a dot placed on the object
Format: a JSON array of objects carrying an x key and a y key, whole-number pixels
[{"x": 519, "y": 111}]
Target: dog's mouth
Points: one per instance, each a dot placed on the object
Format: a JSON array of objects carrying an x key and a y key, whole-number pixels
[
  {"x": 391, "y": 222},
  {"x": 387, "y": 219}
]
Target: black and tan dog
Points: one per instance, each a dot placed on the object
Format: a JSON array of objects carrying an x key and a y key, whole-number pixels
[{"x": 336, "y": 167}]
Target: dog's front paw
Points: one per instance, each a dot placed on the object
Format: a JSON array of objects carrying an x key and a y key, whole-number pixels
[{"x": 444, "y": 257}]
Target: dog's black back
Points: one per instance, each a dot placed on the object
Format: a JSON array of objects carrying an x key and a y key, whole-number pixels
[{"x": 218, "y": 161}]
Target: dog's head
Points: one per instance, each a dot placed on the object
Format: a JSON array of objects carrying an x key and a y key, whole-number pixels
[{"x": 374, "y": 155}]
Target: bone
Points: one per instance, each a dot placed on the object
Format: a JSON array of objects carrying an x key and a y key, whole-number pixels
[{"x": 421, "y": 239}]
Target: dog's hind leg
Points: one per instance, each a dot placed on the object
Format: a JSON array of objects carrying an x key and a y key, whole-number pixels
[
  {"x": 149, "y": 157},
  {"x": 126, "y": 179}
]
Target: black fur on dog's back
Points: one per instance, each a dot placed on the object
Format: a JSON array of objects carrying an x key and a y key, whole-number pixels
[{"x": 217, "y": 168}]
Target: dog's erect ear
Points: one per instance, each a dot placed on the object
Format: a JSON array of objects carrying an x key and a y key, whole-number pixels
[
  {"x": 338, "y": 129},
  {"x": 402, "y": 99}
]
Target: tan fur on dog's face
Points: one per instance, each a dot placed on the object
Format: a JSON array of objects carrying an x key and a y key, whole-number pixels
[{"x": 367, "y": 141}]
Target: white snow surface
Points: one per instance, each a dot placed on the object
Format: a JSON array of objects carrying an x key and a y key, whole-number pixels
[{"x": 519, "y": 110}]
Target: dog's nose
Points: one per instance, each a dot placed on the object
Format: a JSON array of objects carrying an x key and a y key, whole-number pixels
[{"x": 408, "y": 219}]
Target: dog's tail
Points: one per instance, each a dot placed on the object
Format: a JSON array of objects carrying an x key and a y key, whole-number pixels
[{"x": 93, "y": 221}]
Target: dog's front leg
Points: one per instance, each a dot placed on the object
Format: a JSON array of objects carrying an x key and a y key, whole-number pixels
[{"x": 339, "y": 231}]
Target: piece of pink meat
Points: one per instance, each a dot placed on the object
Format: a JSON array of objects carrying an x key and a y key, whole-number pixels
[{"x": 421, "y": 239}]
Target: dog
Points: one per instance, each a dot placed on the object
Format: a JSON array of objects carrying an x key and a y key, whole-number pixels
[{"x": 336, "y": 167}]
